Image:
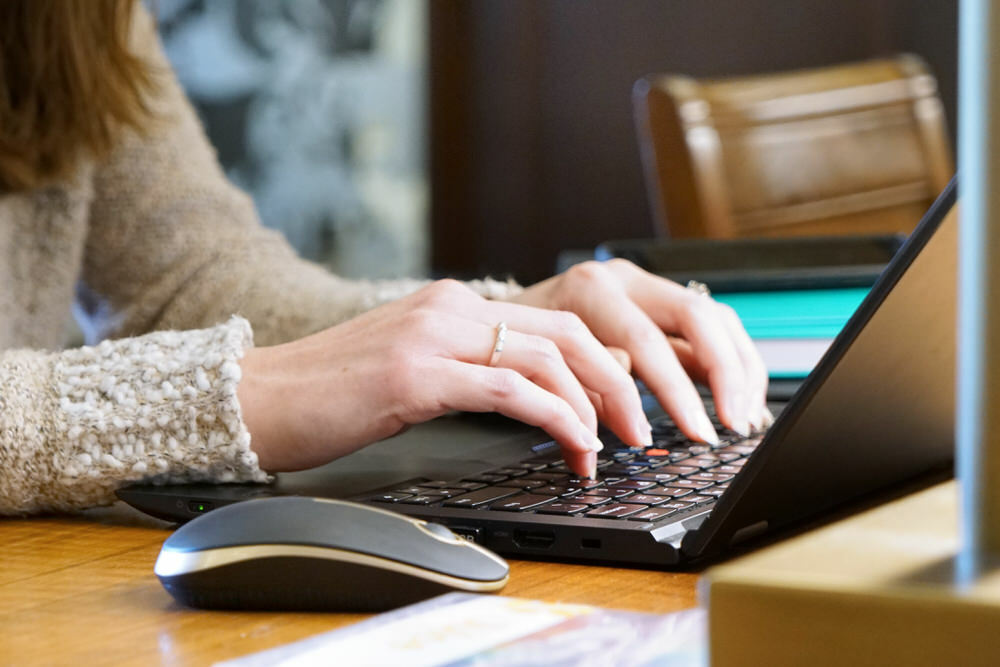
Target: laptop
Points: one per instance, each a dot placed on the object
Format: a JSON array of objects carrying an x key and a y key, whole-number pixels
[{"x": 877, "y": 411}]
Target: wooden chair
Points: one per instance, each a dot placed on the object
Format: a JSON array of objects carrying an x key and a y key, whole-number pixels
[{"x": 851, "y": 149}]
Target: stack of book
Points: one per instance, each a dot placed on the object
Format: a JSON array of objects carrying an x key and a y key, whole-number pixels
[
  {"x": 794, "y": 295},
  {"x": 792, "y": 329}
]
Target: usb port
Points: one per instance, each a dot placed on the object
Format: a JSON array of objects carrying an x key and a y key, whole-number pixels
[{"x": 534, "y": 539}]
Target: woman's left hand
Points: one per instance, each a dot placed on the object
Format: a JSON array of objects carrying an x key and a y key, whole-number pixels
[{"x": 672, "y": 337}]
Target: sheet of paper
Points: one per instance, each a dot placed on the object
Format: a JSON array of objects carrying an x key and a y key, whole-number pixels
[{"x": 461, "y": 629}]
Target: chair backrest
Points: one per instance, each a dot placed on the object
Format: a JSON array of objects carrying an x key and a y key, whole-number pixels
[{"x": 850, "y": 149}]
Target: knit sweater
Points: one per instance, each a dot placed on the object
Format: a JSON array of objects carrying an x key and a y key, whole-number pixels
[{"x": 167, "y": 264}]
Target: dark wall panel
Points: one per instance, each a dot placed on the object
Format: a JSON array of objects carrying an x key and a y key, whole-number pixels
[{"x": 540, "y": 153}]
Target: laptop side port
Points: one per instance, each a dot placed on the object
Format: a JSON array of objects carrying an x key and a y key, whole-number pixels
[{"x": 534, "y": 539}]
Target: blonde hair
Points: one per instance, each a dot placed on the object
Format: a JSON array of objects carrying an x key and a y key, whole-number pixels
[{"x": 69, "y": 83}]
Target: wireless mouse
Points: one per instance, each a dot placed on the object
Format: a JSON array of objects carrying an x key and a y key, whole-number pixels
[{"x": 310, "y": 553}]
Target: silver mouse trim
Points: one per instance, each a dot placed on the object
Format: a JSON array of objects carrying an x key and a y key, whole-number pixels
[
  {"x": 173, "y": 563},
  {"x": 419, "y": 523}
]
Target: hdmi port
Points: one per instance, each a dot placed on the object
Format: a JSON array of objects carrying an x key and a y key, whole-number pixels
[{"x": 534, "y": 539}]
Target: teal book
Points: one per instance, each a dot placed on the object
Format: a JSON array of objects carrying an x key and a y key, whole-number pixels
[
  {"x": 792, "y": 329},
  {"x": 813, "y": 313}
]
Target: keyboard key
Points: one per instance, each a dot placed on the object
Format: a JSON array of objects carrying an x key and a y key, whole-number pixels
[
  {"x": 583, "y": 483},
  {"x": 729, "y": 468},
  {"x": 552, "y": 490},
  {"x": 468, "y": 486},
  {"x": 652, "y": 462},
  {"x": 391, "y": 497},
  {"x": 651, "y": 514},
  {"x": 699, "y": 499},
  {"x": 711, "y": 477},
  {"x": 610, "y": 492},
  {"x": 592, "y": 500},
  {"x": 689, "y": 484},
  {"x": 624, "y": 469},
  {"x": 659, "y": 477},
  {"x": 647, "y": 499},
  {"x": 447, "y": 493},
  {"x": 531, "y": 465},
  {"x": 523, "y": 483},
  {"x": 612, "y": 479},
  {"x": 421, "y": 500},
  {"x": 480, "y": 497},
  {"x": 669, "y": 492},
  {"x": 563, "y": 508},
  {"x": 715, "y": 492},
  {"x": 741, "y": 449},
  {"x": 633, "y": 484},
  {"x": 525, "y": 501},
  {"x": 676, "y": 505},
  {"x": 653, "y": 451},
  {"x": 700, "y": 462},
  {"x": 616, "y": 511},
  {"x": 411, "y": 490},
  {"x": 679, "y": 470}
]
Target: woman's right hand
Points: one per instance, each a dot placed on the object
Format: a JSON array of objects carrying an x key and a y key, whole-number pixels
[{"x": 326, "y": 395}]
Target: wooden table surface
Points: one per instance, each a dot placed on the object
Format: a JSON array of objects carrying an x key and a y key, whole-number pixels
[{"x": 81, "y": 591}]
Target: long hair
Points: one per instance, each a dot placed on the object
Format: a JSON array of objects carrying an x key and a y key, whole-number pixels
[{"x": 68, "y": 84}]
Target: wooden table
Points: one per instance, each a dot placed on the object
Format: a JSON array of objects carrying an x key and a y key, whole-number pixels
[{"x": 81, "y": 591}]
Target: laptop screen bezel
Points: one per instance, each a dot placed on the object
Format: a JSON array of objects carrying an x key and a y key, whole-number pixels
[{"x": 724, "y": 527}]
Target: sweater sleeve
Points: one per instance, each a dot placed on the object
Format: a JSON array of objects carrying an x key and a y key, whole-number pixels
[
  {"x": 76, "y": 425},
  {"x": 173, "y": 245}
]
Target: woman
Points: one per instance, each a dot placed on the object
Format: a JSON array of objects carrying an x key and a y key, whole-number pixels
[{"x": 113, "y": 200}]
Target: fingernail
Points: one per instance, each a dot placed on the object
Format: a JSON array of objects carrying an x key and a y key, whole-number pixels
[
  {"x": 737, "y": 416},
  {"x": 590, "y": 440},
  {"x": 645, "y": 431},
  {"x": 768, "y": 418},
  {"x": 703, "y": 427}
]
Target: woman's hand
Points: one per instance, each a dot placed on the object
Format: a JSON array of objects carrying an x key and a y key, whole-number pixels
[
  {"x": 671, "y": 335},
  {"x": 318, "y": 398}
]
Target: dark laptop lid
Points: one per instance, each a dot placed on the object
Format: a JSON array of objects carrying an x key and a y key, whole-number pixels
[{"x": 878, "y": 408}]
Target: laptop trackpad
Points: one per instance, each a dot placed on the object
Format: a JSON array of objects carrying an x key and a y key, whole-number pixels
[
  {"x": 446, "y": 449},
  {"x": 354, "y": 475}
]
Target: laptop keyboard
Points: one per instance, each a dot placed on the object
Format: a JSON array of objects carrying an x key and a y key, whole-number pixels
[{"x": 673, "y": 476}]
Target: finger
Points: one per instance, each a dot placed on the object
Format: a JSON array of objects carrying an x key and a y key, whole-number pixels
[
  {"x": 475, "y": 388},
  {"x": 536, "y": 358},
  {"x": 756, "y": 371},
  {"x": 628, "y": 327},
  {"x": 620, "y": 406},
  {"x": 621, "y": 356},
  {"x": 698, "y": 319}
]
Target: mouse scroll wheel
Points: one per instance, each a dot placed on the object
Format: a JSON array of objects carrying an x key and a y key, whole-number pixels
[{"x": 440, "y": 531}]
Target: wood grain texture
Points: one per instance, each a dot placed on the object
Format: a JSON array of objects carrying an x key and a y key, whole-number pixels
[
  {"x": 81, "y": 591},
  {"x": 848, "y": 149}
]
